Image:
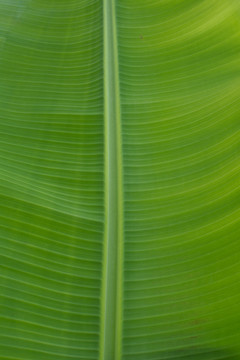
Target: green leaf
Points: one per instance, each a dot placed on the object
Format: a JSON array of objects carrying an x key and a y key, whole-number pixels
[{"x": 119, "y": 159}]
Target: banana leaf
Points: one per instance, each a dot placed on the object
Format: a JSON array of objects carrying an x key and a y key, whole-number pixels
[{"x": 119, "y": 167}]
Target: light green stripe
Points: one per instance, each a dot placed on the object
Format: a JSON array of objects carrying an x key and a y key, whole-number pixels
[{"x": 111, "y": 311}]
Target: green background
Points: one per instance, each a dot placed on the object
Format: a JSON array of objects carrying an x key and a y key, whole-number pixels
[{"x": 179, "y": 74}]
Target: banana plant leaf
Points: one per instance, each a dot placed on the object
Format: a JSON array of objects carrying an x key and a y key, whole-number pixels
[{"x": 119, "y": 167}]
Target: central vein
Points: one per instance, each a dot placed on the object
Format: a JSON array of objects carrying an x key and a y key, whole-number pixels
[{"x": 111, "y": 307}]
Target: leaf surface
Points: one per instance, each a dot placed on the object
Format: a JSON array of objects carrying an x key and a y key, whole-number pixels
[{"x": 119, "y": 157}]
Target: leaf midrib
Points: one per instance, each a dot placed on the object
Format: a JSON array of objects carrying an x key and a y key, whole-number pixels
[{"x": 111, "y": 297}]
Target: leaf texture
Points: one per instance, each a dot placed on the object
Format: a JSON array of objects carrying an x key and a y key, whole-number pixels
[{"x": 119, "y": 157}]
